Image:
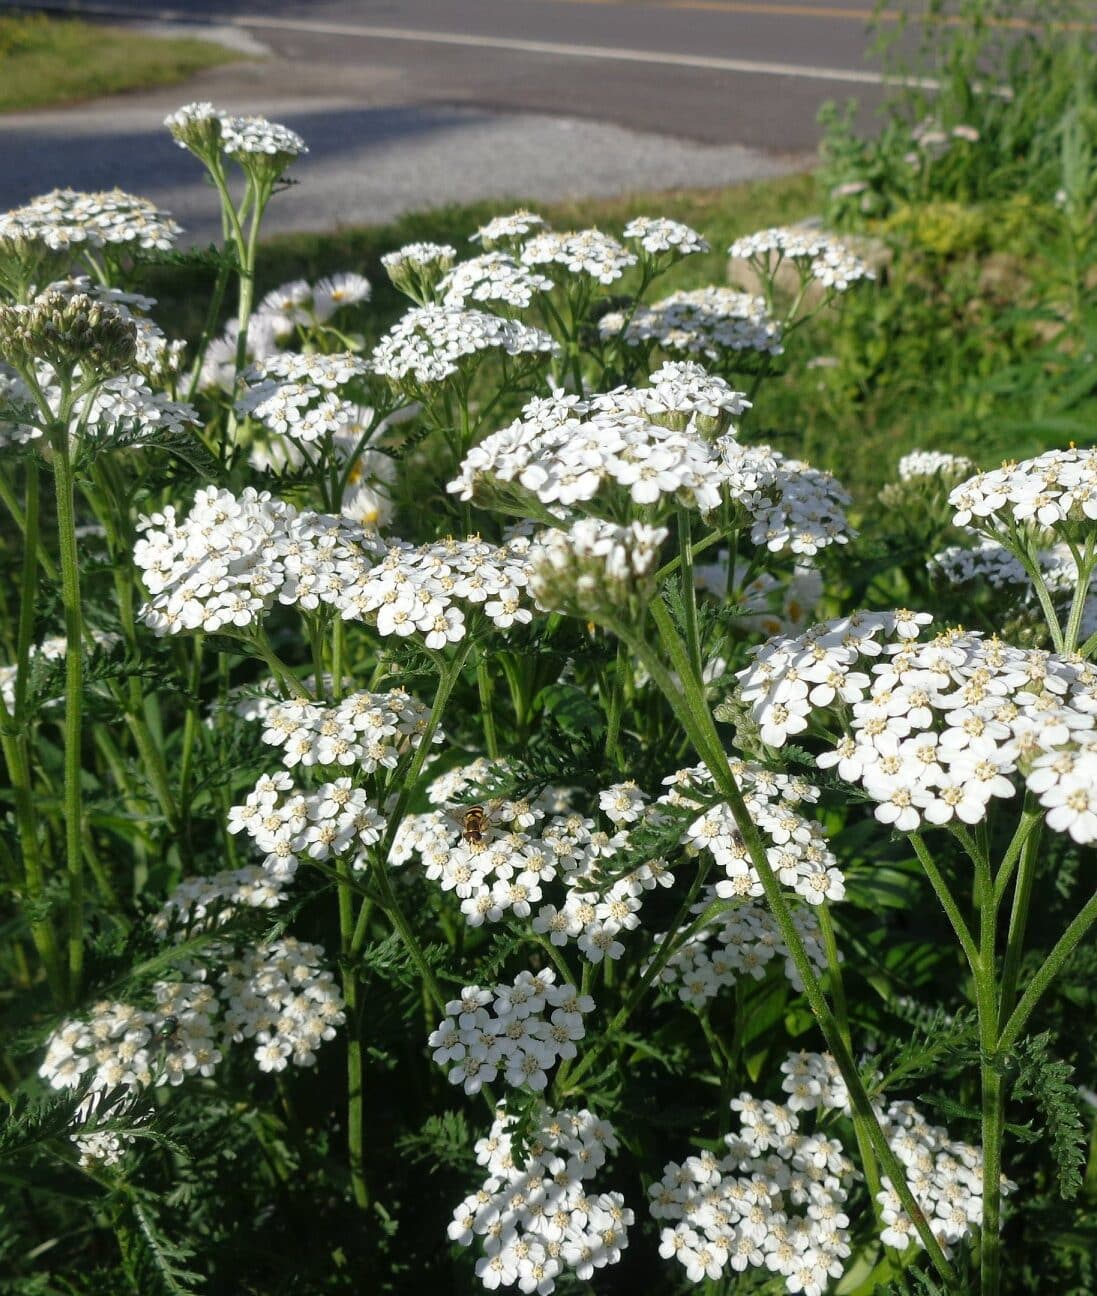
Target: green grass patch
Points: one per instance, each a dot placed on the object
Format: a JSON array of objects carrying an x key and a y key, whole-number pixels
[{"x": 46, "y": 61}]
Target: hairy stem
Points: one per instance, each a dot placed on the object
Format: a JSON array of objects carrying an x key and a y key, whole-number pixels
[{"x": 64, "y": 484}]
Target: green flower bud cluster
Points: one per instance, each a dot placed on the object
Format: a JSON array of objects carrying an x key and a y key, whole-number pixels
[{"x": 68, "y": 332}]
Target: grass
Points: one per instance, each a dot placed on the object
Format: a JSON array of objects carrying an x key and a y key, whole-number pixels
[{"x": 47, "y": 61}]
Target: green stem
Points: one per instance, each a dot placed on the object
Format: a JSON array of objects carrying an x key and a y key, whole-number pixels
[
  {"x": 355, "y": 1069},
  {"x": 689, "y": 592},
  {"x": 841, "y": 1013},
  {"x": 948, "y": 903},
  {"x": 993, "y": 1094},
  {"x": 1018, "y": 920},
  {"x": 615, "y": 705},
  {"x": 338, "y": 651},
  {"x": 487, "y": 712},
  {"x": 190, "y": 735},
  {"x": 1029, "y": 819},
  {"x": 278, "y": 667},
  {"x": 64, "y": 484},
  {"x": 1081, "y": 594}
]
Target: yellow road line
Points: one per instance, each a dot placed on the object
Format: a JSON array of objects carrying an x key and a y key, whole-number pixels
[{"x": 839, "y": 13}]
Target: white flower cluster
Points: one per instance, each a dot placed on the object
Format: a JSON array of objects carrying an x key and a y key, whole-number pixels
[
  {"x": 241, "y": 138},
  {"x": 501, "y": 856},
  {"x": 657, "y": 234},
  {"x": 594, "y": 566},
  {"x": 434, "y": 257},
  {"x": 368, "y": 731},
  {"x": 233, "y": 557},
  {"x": 432, "y": 343},
  {"x": 740, "y": 943},
  {"x": 649, "y": 441},
  {"x": 989, "y": 561},
  {"x": 1001, "y": 569},
  {"x": 945, "y": 1176},
  {"x": 419, "y": 589},
  {"x": 698, "y": 322},
  {"x": 935, "y": 731},
  {"x": 281, "y": 996},
  {"x": 507, "y": 229},
  {"x": 537, "y": 1218},
  {"x": 584, "y": 252},
  {"x": 1057, "y": 487},
  {"x": 492, "y": 277},
  {"x": 790, "y": 505},
  {"x": 125, "y": 406},
  {"x": 775, "y": 1200},
  {"x": 796, "y": 847},
  {"x": 66, "y": 218},
  {"x": 934, "y": 463},
  {"x": 277, "y": 994},
  {"x": 296, "y": 395},
  {"x": 816, "y": 255},
  {"x": 522, "y": 1030},
  {"x": 288, "y": 823},
  {"x": 117, "y": 1046},
  {"x": 200, "y": 903},
  {"x": 659, "y": 444}
]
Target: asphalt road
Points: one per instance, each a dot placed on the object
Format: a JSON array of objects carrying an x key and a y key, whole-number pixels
[{"x": 412, "y": 103}]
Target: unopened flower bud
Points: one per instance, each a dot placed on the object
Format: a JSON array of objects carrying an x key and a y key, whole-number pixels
[
  {"x": 66, "y": 331},
  {"x": 596, "y": 568}
]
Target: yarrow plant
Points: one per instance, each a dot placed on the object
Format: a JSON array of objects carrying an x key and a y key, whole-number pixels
[{"x": 475, "y": 741}]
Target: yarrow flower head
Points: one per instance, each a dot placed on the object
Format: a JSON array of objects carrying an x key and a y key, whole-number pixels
[
  {"x": 795, "y": 846},
  {"x": 816, "y": 256},
  {"x": 522, "y": 1030},
  {"x": 775, "y": 1200},
  {"x": 535, "y": 859},
  {"x": 586, "y": 252},
  {"x": 66, "y": 220},
  {"x": 703, "y": 322},
  {"x": 299, "y": 396},
  {"x": 936, "y": 731},
  {"x": 935, "y": 464},
  {"x": 493, "y": 279},
  {"x": 657, "y": 445},
  {"x": 657, "y": 234},
  {"x": 742, "y": 942},
  {"x": 595, "y": 568},
  {"x": 535, "y": 1215},
  {"x": 277, "y": 995},
  {"x": 507, "y": 230},
  {"x": 1056, "y": 490},
  {"x": 433, "y": 343},
  {"x": 261, "y": 147},
  {"x": 417, "y": 269},
  {"x": 234, "y": 557}
]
